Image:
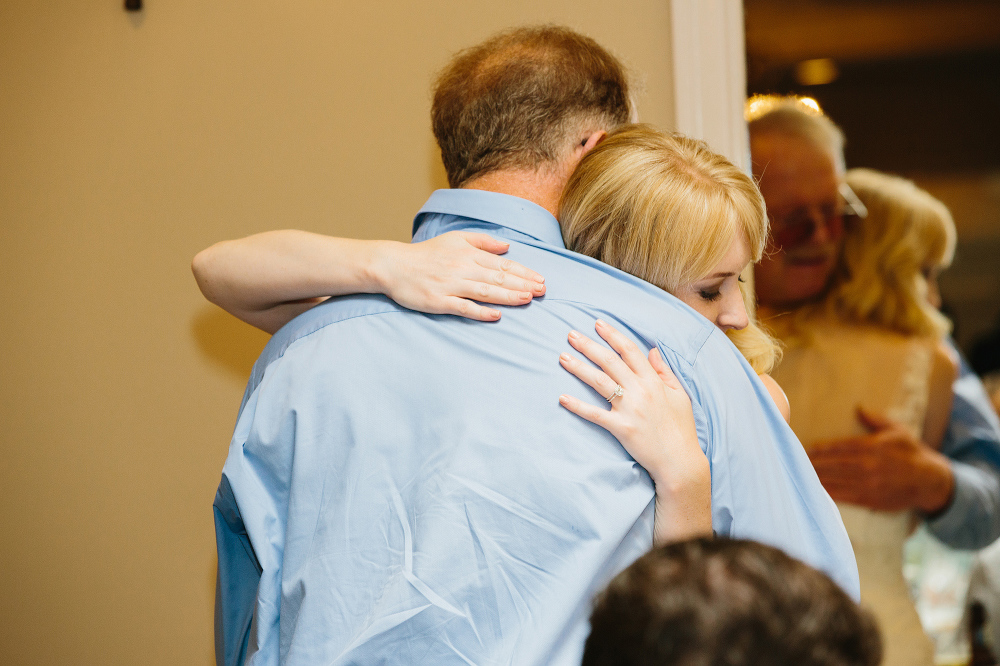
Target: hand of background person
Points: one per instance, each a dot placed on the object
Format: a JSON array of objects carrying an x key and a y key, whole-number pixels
[
  {"x": 887, "y": 469},
  {"x": 448, "y": 273},
  {"x": 653, "y": 420}
]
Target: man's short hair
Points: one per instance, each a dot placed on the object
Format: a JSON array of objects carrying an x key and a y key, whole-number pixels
[
  {"x": 727, "y": 602},
  {"x": 516, "y": 100},
  {"x": 794, "y": 116}
]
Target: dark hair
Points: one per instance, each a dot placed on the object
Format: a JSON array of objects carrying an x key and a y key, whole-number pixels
[
  {"x": 727, "y": 602},
  {"x": 514, "y": 100}
]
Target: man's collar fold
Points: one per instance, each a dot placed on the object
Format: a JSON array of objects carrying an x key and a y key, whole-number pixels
[{"x": 503, "y": 210}]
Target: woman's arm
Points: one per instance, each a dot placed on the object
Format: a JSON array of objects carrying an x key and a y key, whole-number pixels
[
  {"x": 777, "y": 395},
  {"x": 653, "y": 420},
  {"x": 269, "y": 278}
]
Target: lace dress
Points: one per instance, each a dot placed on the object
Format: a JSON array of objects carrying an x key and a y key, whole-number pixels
[{"x": 826, "y": 375}]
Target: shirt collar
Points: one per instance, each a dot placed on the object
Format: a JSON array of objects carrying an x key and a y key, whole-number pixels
[{"x": 503, "y": 210}]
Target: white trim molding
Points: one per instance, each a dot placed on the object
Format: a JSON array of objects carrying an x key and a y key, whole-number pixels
[{"x": 709, "y": 60}]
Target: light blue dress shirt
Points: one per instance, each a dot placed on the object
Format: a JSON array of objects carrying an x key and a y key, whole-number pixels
[
  {"x": 405, "y": 488},
  {"x": 972, "y": 442}
]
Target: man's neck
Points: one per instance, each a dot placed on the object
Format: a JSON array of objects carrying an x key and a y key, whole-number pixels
[{"x": 542, "y": 187}]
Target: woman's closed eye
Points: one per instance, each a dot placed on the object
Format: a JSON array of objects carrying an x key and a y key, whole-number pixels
[{"x": 710, "y": 294}]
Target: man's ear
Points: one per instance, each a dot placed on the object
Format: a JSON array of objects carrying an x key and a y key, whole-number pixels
[{"x": 590, "y": 141}]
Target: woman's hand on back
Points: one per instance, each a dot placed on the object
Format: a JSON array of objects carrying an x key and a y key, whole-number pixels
[
  {"x": 447, "y": 274},
  {"x": 269, "y": 278},
  {"x": 653, "y": 420}
]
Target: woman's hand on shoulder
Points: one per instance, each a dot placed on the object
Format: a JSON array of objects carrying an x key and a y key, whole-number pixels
[
  {"x": 449, "y": 273},
  {"x": 653, "y": 419}
]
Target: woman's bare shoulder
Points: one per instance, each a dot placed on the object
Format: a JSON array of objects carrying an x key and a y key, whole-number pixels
[{"x": 778, "y": 395}]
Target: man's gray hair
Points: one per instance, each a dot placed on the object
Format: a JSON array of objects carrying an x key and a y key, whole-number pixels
[{"x": 793, "y": 116}]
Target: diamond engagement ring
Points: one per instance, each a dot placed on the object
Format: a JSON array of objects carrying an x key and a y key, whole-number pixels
[{"x": 617, "y": 394}]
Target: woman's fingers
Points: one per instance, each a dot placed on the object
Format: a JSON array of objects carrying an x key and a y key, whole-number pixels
[
  {"x": 608, "y": 360},
  {"x": 468, "y": 309},
  {"x": 627, "y": 350},
  {"x": 490, "y": 278},
  {"x": 582, "y": 409},
  {"x": 485, "y": 242},
  {"x": 662, "y": 369},
  {"x": 500, "y": 267},
  {"x": 505, "y": 281},
  {"x": 488, "y": 293},
  {"x": 589, "y": 375},
  {"x": 494, "y": 247}
]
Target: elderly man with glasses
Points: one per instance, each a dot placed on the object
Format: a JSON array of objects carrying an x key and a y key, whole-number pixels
[{"x": 798, "y": 161}]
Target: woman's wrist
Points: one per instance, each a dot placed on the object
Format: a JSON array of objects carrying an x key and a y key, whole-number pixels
[
  {"x": 379, "y": 272},
  {"x": 684, "y": 478}
]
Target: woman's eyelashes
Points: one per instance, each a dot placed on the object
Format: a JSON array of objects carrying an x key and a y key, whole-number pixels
[{"x": 710, "y": 295}]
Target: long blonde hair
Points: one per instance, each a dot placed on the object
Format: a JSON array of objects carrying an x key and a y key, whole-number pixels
[
  {"x": 666, "y": 209},
  {"x": 880, "y": 277}
]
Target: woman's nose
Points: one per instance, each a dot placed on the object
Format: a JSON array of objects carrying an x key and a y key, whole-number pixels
[{"x": 733, "y": 313}]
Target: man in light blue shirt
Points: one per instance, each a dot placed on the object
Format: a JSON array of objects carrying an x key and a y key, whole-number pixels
[{"x": 405, "y": 488}]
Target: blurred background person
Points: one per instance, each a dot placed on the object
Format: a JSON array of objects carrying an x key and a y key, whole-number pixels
[
  {"x": 875, "y": 340},
  {"x": 798, "y": 158},
  {"x": 727, "y": 602}
]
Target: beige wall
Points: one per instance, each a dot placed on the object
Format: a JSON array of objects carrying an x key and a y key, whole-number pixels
[{"x": 127, "y": 143}]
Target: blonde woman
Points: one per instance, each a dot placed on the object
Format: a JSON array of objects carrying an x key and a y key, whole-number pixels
[
  {"x": 875, "y": 344},
  {"x": 666, "y": 209},
  {"x": 661, "y": 207}
]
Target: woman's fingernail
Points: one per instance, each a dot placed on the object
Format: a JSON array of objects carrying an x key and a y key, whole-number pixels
[
  {"x": 539, "y": 288},
  {"x": 601, "y": 322},
  {"x": 495, "y": 314},
  {"x": 573, "y": 335},
  {"x": 563, "y": 399},
  {"x": 565, "y": 358},
  {"x": 524, "y": 296}
]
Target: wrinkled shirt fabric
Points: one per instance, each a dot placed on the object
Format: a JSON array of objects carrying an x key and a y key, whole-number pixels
[
  {"x": 972, "y": 444},
  {"x": 404, "y": 488}
]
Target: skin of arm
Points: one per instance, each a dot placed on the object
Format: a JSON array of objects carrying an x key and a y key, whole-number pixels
[
  {"x": 888, "y": 469},
  {"x": 269, "y": 278},
  {"x": 778, "y": 395},
  {"x": 654, "y": 421}
]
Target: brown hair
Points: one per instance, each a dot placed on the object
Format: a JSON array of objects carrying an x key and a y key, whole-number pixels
[
  {"x": 723, "y": 602},
  {"x": 666, "y": 209},
  {"x": 515, "y": 100}
]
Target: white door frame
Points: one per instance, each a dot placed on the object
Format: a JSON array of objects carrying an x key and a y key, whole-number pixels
[{"x": 709, "y": 63}]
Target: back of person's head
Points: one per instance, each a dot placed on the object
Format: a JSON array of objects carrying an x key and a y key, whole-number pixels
[
  {"x": 517, "y": 100},
  {"x": 794, "y": 117},
  {"x": 727, "y": 602},
  {"x": 907, "y": 236},
  {"x": 666, "y": 209}
]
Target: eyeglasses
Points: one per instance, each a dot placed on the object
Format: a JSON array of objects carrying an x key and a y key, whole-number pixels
[{"x": 801, "y": 224}]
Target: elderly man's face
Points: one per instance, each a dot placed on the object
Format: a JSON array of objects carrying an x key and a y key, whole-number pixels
[{"x": 800, "y": 184}]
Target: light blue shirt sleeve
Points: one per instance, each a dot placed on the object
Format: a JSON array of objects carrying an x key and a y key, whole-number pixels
[
  {"x": 972, "y": 443},
  {"x": 764, "y": 487}
]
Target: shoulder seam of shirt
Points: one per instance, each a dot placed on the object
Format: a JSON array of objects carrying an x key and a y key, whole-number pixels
[
  {"x": 691, "y": 361},
  {"x": 255, "y": 377}
]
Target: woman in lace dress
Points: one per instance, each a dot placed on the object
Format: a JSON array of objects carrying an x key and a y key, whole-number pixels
[{"x": 874, "y": 346}]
